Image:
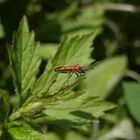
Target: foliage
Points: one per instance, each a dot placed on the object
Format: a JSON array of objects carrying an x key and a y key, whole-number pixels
[
  {"x": 131, "y": 91},
  {"x": 38, "y": 103},
  {"x": 24, "y": 59}
]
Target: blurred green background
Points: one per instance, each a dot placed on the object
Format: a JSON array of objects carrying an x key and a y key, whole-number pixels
[{"x": 118, "y": 25}]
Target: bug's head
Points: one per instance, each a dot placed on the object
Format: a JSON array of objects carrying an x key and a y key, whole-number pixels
[
  {"x": 83, "y": 70},
  {"x": 56, "y": 69}
]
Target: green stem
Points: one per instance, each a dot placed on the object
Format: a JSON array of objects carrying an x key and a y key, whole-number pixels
[
  {"x": 15, "y": 115},
  {"x": 117, "y": 7},
  {"x": 133, "y": 75}
]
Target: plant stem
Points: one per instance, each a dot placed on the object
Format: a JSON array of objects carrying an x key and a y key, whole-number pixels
[
  {"x": 133, "y": 75},
  {"x": 117, "y": 7},
  {"x": 15, "y": 115}
]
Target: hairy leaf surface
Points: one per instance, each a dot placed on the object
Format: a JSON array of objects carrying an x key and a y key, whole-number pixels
[
  {"x": 24, "y": 58},
  {"x": 82, "y": 109},
  {"x": 105, "y": 76},
  {"x": 72, "y": 51}
]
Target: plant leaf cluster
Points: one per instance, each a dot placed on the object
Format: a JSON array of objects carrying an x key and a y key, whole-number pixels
[{"x": 46, "y": 96}]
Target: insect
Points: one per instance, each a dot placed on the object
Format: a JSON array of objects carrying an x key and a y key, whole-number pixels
[{"x": 72, "y": 69}]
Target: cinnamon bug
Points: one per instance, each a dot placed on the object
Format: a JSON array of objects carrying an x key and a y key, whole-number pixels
[{"x": 73, "y": 69}]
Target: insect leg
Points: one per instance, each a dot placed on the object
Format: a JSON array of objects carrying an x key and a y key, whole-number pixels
[
  {"x": 78, "y": 74},
  {"x": 70, "y": 75}
]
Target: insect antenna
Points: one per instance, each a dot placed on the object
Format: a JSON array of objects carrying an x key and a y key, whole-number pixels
[{"x": 93, "y": 65}]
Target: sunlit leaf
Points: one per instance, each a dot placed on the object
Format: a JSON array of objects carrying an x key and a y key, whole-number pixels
[
  {"x": 51, "y": 136},
  {"x": 75, "y": 136},
  {"x": 48, "y": 51},
  {"x": 24, "y": 58},
  {"x": 105, "y": 76},
  {"x": 74, "y": 50},
  {"x": 80, "y": 110},
  {"x": 132, "y": 97},
  {"x": 89, "y": 19},
  {"x": 22, "y": 131}
]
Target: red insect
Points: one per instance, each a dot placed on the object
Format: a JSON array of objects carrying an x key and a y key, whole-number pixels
[
  {"x": 77, "y": 69},
  {"x": 73, "y": 69}
]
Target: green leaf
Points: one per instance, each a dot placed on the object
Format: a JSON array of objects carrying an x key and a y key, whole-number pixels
[
  {"x": 105, "y": 76},
  {"x": 22, "y": 131},
  {"x": 89, "y": 19},
  {"x": 77, "y": 111},
  {"x": 132, "y": 97},
  {"x": 52, "y": 136},
  {"x": 123, "y": 130},
  {"x": 47, "y": 51},
  {"x": 74, "y": 50},
  {"x": 4, "y": 106},
  {"x": 75, "y": 136},
  {"x": 24, "y": 58}
]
